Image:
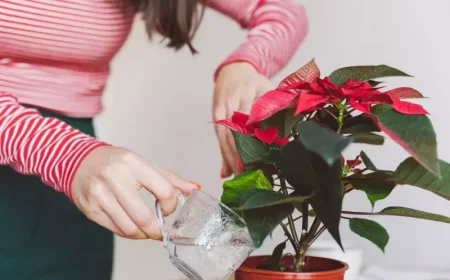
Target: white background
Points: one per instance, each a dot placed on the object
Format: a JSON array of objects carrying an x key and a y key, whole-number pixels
[{"x": 158, "y": 103}]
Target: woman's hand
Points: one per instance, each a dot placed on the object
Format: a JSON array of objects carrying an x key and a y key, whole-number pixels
[
  {"x": 237, "y": 86},
  {"x": 106, "y": 185}
]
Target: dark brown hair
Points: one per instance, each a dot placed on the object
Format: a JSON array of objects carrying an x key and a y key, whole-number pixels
[{"x": 175, "y": 20}]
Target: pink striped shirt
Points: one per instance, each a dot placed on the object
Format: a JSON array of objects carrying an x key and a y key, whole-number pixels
[{"x": 56, "y": 55}]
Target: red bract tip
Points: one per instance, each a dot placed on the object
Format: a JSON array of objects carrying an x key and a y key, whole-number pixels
[{"x": 267, "y": 136}]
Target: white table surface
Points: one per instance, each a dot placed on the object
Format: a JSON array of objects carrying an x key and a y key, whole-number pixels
[
  {"x": 382, "y": 273},
  {"x": 379, "y": 273}
]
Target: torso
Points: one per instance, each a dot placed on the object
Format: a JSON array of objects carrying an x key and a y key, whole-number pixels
[{"x": 56, "y": 53}]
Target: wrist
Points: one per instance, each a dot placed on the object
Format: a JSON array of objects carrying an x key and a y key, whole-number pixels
[
  {"x": 235, "y": 66},
  {"x": 75, "y": 160}
]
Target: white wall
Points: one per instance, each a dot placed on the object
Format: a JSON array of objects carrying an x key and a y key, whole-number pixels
[{"x": 158, "y": 103}]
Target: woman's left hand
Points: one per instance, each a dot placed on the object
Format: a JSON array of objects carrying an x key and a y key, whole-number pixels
[{"x": 237, "y": 86}]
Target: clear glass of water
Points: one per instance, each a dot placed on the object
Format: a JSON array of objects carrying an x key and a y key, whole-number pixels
[{"x": 206, "y": 240}]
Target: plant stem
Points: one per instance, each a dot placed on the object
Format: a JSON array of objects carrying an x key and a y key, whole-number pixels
[
  {"x": 298, "y": 218},
  {"x": 299, "y": 264},
  {"x": 319, "y": 232},
  {"x": 310, "y": 116},
  {"x": 278, "y": 185},
  {"x": 292, "y": 227},
  {"x": 300, "y": 257},
  {"x": 312, "y": 231},
  {"x": 358, "y": 213},
  {"x": 348, "y": 187},
  {"x": 290, "y": 219},
  {"x": 329, "y": 113},
  {"x": 290, "y": 238},
  {"x": 340, "y": 121},
  {"x": 305, "y": 210}
]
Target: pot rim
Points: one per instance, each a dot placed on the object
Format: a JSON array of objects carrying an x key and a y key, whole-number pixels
[{"x": 344, "y": 268}]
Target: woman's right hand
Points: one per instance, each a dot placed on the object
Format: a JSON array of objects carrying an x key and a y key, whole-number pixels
[{"x": 105, "y": 188}]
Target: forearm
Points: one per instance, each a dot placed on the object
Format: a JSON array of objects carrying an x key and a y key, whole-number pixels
[
  {"x": 276, "y": 29},
  {"x": 46, "y": 147}
]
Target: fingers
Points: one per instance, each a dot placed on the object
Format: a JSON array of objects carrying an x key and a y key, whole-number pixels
[
  {"x": 245, "y": 105},
  {"x": 234, "y": 153},
  {"x": 184, "y": 186},
  {"x": 164, "y": 191},
  {"x": 231, "y": 97},
  {"x": 106, "y": 185},
  {"x": 117, "y": 214},
  {"x": 114, "y": 212},
  {"x": 105, "y": 221},
  {"x": 265, "y": 86},
  {"x": 102, "y": 208},
  {"x": 227, "y": 153},
  {"x": 136, "y": 210},
  {"x": 226, "y": 170}
]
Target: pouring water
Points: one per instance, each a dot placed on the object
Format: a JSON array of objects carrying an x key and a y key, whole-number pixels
[
  {"x": 215, "y": 262},
  {"x": 207, "y": 240}
]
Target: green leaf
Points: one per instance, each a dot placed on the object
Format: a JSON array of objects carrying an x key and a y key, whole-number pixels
[
  {"x": 326, "y": 119},
  {"x": 290, "y": 122},
  {"x": 322, "y": 141},
  {"x": 375, "y": 190},
  {"x": 364, "y": 73},
  {"x": 371, "y": 231},
  {"x": 263, "y": 210},
  {"x": 410, "y": 172},
  {"x": 276, "y": 120},
  {"x": 380, "y": 108},
  {"x": 367, "y": 162},
  {"x": 414, "y": 133},
  {"x": 284, "y": 120},
  {"x": 360, "y": 123},
  {"x": 367, "y": 138},
  {"x": 374, "y": 83},
  {"x": 309, "y": 174},
  {"x": 275, "y": 259},
  {"x": 412, "y": 213},
  {"x": 358, "y": 128},
  {"x": 260, "y": 198},
  {"x": 235, "y": 188},
  {"x": 252, "y": 150}
]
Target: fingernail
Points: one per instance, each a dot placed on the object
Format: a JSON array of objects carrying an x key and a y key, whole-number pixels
[
  {"x": 222, "y": 174},
  {"x": 199, "y": 187},
  {"x": 240, "y": 165}
]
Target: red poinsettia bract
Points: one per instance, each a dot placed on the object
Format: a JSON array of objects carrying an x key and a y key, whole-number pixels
[
  {"x": 239, "y": 122},
  {"x": 354, "y": 162},
  {"x": 310, "y": 96}
]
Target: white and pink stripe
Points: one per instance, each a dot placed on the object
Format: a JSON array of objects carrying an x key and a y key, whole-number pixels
[
  {"x": 32, "y": 144},
  {"x": 56, "y": 55}
]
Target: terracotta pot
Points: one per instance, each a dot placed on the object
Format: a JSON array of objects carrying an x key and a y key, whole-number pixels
[{"x": 316, "y": 269}]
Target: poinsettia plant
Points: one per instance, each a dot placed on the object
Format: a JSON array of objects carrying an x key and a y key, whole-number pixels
[{"x": 291, "y": 145}]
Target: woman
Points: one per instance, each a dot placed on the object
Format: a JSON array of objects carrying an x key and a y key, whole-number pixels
[{"x": 54, "y": 63}]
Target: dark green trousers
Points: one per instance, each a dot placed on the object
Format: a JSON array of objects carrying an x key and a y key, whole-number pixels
[{"x": 43, "y": 236}]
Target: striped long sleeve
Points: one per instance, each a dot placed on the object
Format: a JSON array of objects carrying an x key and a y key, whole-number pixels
[
  {"x": 276, "y": 29},
  {"x": 56, "y": 54},
  {"x": 47, "y": 147}
]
